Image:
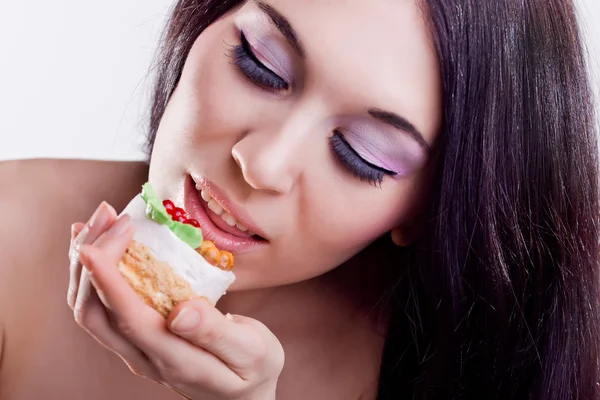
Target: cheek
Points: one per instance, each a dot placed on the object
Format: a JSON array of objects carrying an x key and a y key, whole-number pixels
[
  {"x": 330, "y": 230},
  {"x": 348, "y": 221},
  {"x": 348, "y": 226},
  {"x": 357, "y": 217},
  {"x": 212, "y": 99},
  {"x": 337, "y": 219}
]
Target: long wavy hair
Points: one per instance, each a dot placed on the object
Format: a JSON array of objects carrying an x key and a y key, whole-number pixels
[{"x": 499, "y": 299}]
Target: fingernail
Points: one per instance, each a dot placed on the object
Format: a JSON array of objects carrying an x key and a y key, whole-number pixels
[
  {"x": 73, "y": 232},
  {"x": 84, "y": 257},
  {"x": 100, "y": 217},
  {"x": 76, "y": 229},
  {"x": 120, "y": 226},
  {"x": 185, "y": 320}
]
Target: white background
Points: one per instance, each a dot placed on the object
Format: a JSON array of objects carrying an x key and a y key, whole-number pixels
[{"x": 73, "y": 74}]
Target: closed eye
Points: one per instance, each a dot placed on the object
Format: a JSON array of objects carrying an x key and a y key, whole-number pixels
[
  {"x": 354, "y": 163},
  {"x": 247, "y": 62}
]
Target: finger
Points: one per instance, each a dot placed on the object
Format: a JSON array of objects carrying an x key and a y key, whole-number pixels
[
  {"x": 92, "y": 316},
  {"x": 102, "y": 218},
  {"x": 86, "y": 291},
  {"x": 239, "y": 342},
  {"x": 112, "y": 244},
  {"x": 94, "y": 319},
  {"x": 177, "y": 360},
  {"x": 76, "y": 228},
  {"x": 101, "y": 260}
]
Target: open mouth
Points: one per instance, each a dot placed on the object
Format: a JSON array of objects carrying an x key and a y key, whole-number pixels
[
  {"x": 223, "y": 219},
  {"x": 221, "y": 222}
]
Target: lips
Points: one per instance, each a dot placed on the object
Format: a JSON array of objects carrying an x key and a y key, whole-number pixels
[
  {"x": 227, "y": 227},
  {"x": 217, "y": 214}
]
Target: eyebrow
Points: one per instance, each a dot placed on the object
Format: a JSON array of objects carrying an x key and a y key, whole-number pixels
[
  {"x": 284, "y": 26},
  {"x": 400, "y": 123}
]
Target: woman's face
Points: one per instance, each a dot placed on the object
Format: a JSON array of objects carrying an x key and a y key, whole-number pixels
[{"x": 311, "y": 123}]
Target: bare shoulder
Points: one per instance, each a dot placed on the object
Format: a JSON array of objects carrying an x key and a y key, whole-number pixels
[
  {"x": 39, "y": 200},
  {"x": 42, "y": 198},
  {"x": 39, "y": 183}
]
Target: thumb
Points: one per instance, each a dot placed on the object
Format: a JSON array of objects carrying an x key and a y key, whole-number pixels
[
  {"x": 244, "y": 344},
  {"x": 201, "y": 324}
]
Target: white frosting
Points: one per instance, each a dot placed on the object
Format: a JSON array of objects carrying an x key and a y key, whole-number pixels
[{"x": 206, "y": 280}]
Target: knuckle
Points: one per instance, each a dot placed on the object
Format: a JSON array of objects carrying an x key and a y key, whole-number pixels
[
  {"x": 235, "y": 390},
  {"x": 206, "y": 333},
  {"x": 81, "y": 313},
  {"x": 84, "y": 317},
  {"x": 81, "y": 316},
  {"x": 259, "y": 352},
  {"x": 124, "y": 327},
  {"x": 211, "y": 335},
  {"x": 137, "y": 370},
  {"x": 88, "y": 316},
  {"x": 266, "y": 350},
  {"x": 173, "y": 375},
  {"x": 72, "y": 296}
]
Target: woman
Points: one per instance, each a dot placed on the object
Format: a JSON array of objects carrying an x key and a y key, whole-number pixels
[{"x": 422, "y": 179}]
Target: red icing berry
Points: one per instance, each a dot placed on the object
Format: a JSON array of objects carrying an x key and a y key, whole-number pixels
[
  {"x": 169, "y": 205},
  {"x": 179, "y": 212},
  {"x": 192, "y": 222},
  {"x": 180, "y": 218}
]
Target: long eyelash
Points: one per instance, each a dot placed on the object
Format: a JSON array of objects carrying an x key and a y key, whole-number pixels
[
  {"x": 247, "y": 62},
  {"x": 358, "y": 166}
]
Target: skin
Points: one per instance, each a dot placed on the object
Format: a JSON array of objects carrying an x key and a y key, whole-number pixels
[{"x": 269, "y": 153}]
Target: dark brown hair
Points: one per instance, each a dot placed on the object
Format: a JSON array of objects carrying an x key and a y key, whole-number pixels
[{"x": 500, "y": 298}]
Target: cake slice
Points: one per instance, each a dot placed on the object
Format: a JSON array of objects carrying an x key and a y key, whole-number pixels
[{"x": 168, "y": 261}]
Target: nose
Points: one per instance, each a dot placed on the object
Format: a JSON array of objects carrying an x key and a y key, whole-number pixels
[{"x": 274, "y": 159}]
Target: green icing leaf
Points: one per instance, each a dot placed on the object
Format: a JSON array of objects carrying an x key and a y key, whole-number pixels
[
  {"x": 156, "y": 211},
  {"x": 188, "y": 233},
  {"x": 148, "y": 192},
  {"x": 154, "y": 206}
]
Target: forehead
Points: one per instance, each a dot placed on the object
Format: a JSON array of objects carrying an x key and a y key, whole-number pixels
[{"x": 376, "y": 53}]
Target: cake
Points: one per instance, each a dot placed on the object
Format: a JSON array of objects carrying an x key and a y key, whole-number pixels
[{"x": 168, "y": 261}]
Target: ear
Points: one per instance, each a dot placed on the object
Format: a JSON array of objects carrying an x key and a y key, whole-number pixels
[{"x": 406, "y": 234}]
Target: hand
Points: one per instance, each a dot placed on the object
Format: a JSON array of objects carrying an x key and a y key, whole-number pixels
[{"x": 198, "y": 352}]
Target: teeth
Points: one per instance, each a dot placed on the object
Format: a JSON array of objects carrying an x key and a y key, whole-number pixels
[
  {"x": 228, "y": 218},
  {"x": 214, "y": 207},
  {"x": 217, "y": 209},
  {"x": 205, "y": 196}
]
